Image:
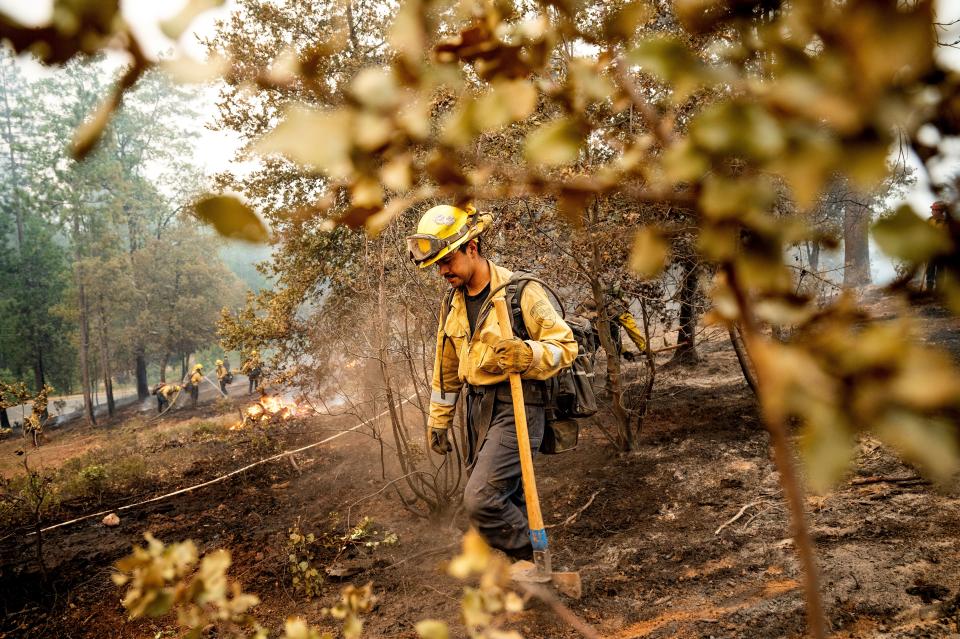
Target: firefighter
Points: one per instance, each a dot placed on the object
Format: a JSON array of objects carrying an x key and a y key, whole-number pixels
[
  {"x": 938, "y": 220},
  {"x": 194, "y": 384},
  {"x": 618, "y": 312},
  {"x": 252, "y": 368},
  {"x": 472, "y": 357},
  {"x": 224, "y": 375},
  {"x": 164, "y": 393}
]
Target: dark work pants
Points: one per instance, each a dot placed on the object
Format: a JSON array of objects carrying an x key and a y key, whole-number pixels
[
  {"x": 493, "y": 496},
  {"x": 933, "y": 268},
  {"x": 194, "y": 393},
  {"x": 253, "y": 383}
]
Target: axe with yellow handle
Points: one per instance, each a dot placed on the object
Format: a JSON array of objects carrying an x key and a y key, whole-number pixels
[{"x": 540, "y": 571}]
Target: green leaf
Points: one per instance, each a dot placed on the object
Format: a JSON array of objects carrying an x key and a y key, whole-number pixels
[
  {"x": 407, "y": 35},
  {"x": 826, "y": 445},
  {"x": 231, "y": 218},
  {"x": 738, "y": 128},
  {"x": 314, "y": 139},
  {"x": 931, "y": 443},
  {"x": 554, "y": 144},
  {"x": 432, "y": 629},
  {"x": 904, "y": 235},
  {"x": 624, "y": 22},
  {"x": 352, "y": 627},
  {"x": 648, "y": 253},
  {"x": 670, "y": 60},
  {"x": 376, "y": 88},
  {"x": 508, "y": 101},
  {"x": 174, "y": 27},
  {"x": 88, "y": 134}
]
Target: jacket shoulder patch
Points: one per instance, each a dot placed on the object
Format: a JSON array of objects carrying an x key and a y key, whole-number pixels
[{"x": 544, "y": 314}]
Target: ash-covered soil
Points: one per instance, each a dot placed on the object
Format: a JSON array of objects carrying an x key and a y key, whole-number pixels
[{"x": 688, "y": 537}]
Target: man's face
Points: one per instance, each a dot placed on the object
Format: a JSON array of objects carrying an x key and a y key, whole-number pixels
[
  {"x": 937, "y": 211},
  {"x": 457, "y": 267}
]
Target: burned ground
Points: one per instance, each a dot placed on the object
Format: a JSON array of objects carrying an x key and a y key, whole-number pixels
[{"x": 688, "y": 537}]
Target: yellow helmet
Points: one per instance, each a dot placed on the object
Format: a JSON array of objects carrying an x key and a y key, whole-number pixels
[
  {"x": 442, "y": 230},
  {"x": 198, "y": 367},
  {"x": 219, "y": 362}
]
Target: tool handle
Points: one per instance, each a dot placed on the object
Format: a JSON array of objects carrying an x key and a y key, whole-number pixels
[{"x": 538, "y": 535}]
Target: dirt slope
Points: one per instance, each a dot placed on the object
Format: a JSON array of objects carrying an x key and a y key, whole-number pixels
[{"x": 686, "y": 538}]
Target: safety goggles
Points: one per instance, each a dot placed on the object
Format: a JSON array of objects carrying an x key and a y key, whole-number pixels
[{"x": 424, "y": 246}]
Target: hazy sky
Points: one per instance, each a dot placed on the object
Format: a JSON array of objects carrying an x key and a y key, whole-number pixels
[{"x": 215, "y": 149}]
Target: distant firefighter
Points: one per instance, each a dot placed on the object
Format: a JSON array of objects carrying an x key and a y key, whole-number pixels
[
  {"x": 938, "y": 219},
  {"x": 224, "y": 375},
  {"x": 620, "y": 317},
  {"x": 252, "y": 367},
  {"x": 165, "y": 394},
  {"x": 194, "y": 384}
]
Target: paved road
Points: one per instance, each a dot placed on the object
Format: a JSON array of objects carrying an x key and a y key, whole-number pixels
[{"x": 72, "y": 405}]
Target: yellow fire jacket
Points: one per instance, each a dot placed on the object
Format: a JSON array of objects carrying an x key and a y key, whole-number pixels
[
  {"x": 168, "y": 391},
  {"x": 222, "y": 371},
  {"x": 196, "y": 378},
  {"x": 471, "y": 360},
  {"x": 250, "y": 365},
  {"x": 629, "y": 324}
]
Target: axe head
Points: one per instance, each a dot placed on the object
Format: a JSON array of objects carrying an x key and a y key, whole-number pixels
[{"x": 566, "y": 583}]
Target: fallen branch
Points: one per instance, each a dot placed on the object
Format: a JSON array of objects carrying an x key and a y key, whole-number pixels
[
  {"x": 863, "y": 481},
  {"x": 736, "y": 517},
  {"x": 425, "y": 553},
  {"x": 572, "y": 518}
]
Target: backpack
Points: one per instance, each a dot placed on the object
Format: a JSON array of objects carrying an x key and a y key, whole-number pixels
[{"x": 570, "y": 394}]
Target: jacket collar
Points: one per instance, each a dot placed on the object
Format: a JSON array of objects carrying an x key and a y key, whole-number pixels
[{"x": 498, "y": 276}]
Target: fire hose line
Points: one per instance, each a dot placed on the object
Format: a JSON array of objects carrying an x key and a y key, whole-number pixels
[{"x": 220, "y": 478}]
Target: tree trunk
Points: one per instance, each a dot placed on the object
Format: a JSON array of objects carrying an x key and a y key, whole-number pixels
[
  {"x": 105, "y": 359},
  {"x": 686, "y": 354},
  {"x": 14, "y": 164},
  {"x": 184, "y": 358},
  {"x": 163, "y": 367},
  {"x": 84, "y": 330},
  {"x": 626, "y": 438},
  {"x": 813, "y": 255},
  {"x": 38, "y": 377},
  {"x": 143, "y": 387},
  {"x": 856, "y": 247}
]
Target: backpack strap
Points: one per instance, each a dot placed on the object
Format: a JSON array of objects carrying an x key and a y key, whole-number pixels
[
  {"x": 445, "y": 308},
  {"x": 513, "y": 294}
]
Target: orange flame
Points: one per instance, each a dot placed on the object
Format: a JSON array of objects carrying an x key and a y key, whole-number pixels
[{"x": 268, "y": 409}]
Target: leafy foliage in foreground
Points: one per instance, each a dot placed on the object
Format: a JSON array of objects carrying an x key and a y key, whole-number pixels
[
  {"x": 163, "y": 578},
  {"x": 712, "y": 112}
]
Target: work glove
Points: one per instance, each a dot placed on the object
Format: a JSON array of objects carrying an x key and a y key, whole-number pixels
[
  {"x": 513, "y": 355},
  {"x": 440, "y": 441}
]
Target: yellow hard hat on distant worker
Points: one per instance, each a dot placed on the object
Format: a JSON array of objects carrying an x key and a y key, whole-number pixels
[
  {"x": 198, "y": 367},
  {"x": 442, "y": 230},
  {"x": 219, "y": 362}
]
